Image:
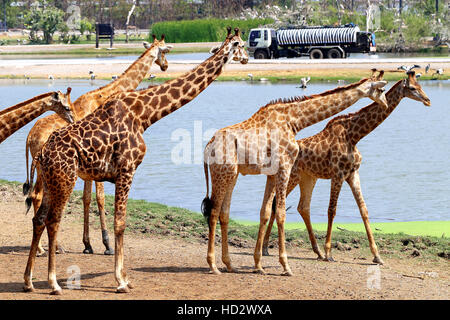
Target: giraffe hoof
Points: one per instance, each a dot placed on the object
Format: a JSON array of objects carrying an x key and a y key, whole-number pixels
[
  {"x": 287, "y": 273},
  {"x": 260, "y": 271},
  {"x": 88, "y": 249},
  {"x": 41, "y": 254},
  {"x": 265, "y": 252},
  {"x": 378, "y": 260},
  {"x": 108, "y": 252},
  {"x": 231, "y": 270},
  {"x": 60, "y": 250},
  {"x": 28, "y": 289},
  {"x": 215, "y": 271},
  {"x": 57, "y": 292},
  {"x": 123, "y": 289},
  {"x": 329, "y": 259}
]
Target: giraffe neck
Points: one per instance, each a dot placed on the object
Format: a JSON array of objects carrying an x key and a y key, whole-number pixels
[
  {"x": 313, "y": 110},
  {"x": 160, "y": 101},
  {"x": 128, "y": 80},
  {"x": 15, "y": 117},
  {"x": 367, "y": 119}
]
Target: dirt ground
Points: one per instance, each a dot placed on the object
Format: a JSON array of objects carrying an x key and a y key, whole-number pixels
[{"x": 169, "y": 268}]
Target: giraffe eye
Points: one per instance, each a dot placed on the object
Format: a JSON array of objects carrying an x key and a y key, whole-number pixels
[{"x": 412, "y": 88}]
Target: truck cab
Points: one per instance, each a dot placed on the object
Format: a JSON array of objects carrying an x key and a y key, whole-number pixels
[{"x": 260, "y": 41}]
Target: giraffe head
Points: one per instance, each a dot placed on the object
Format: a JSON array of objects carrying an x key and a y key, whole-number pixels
[
  {"x": 160, "y": 48},
  {"x": 412, "y": 89},
  {"x": 233, "y": 47},
  {"x": 61, "y": 104},
  {"x": 373, "y": 88}
]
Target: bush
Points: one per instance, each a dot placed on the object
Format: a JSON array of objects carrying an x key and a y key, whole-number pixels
[{"x": 205, "y": 30}]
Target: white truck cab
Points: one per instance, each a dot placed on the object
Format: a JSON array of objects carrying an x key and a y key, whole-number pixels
[{"x": 259, "y": 41}]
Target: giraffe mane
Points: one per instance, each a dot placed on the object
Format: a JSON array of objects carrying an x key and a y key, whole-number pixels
[
  {"x": 129, "y": 67},
  {"x": 315, "y": 96},
  {"x": 21, "y": 104},
  {"x": 353, "y": 114}
]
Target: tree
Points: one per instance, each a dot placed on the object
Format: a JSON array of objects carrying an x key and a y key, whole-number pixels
[{"x": 44, "y": 18}]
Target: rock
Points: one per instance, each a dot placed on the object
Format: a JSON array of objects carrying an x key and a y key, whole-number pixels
[
  {"x": 415, "y": 253},
  {"x": 445, "y": 255},
  {"x": 339, "y": 246}
]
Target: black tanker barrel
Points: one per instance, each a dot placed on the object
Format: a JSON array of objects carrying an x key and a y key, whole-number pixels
[{"x": 311, "y": 36}]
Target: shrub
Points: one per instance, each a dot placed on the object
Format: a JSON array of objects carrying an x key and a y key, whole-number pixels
[{"x": 205, "y": 30}]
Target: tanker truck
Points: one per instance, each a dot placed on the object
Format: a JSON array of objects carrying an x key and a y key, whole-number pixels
[{"x": 315, "y": 42}]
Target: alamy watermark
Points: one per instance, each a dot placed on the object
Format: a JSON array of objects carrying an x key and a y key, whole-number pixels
[
  {"x": 254, "y": 146},
  {"x": 374, "y": 277}
]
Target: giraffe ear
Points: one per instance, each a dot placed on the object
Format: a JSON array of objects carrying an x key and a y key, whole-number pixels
[
  {"x": 166, "y": 49},
  {"x": 69, "y": 90},
  {"x": 55, "y": 96},
  {"x": 214, "y": 50}
]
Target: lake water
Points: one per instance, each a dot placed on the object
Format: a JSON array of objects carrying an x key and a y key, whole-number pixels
[{"x": 404, "y": 175}]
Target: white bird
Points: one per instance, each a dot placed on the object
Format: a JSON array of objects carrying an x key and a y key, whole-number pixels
[
  {"x": 304, "y": 81},
  {"x": 250, "y": 76},
  {"x": 51, "y": 77},
  {"x": 427, "y": 68},
  {"x": 407, "y": 69},
  {"x": 152, "y": 76},
  {"x": 114, "y": 77},
  {"x": 91, "y": 73},
  {"x": 439, "y": 72}
]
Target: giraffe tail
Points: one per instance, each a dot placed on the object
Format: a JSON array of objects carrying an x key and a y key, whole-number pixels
[
  {"x": 28, "y": 201},
  {"x": 207, "y": 203},
  {"x": 26, "y": 186}
]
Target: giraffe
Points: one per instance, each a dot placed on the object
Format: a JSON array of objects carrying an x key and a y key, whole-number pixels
[
  {"x": 84, "y": 105},
  {"x": 108, "y": 145},
  {"x": 15, "y": 117},
  {"x": 332, "y": 154},
  {"x": 265, "y": 144}
]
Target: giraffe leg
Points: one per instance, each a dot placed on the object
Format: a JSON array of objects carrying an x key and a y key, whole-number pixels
[
  {"x": 52, "y": 226},
  {"x": 263, "y": 234},
  {"x": 58, "y": 196},
  {"x": 224, "y": 218},
  {"x": 307, "y": 184},
  {"x": 355, "y": 185},
  {"x": 280, "y": 216},
  {"x": 265, "y": 248},
  {"x": 123, "y": 185},
  {"x": 87, "y": 194},
  {"x": 291, "y": 186},
  {"x": 100, "y": 194},
  {"x": 336, "y": 185},
  {"x": 36, "y": 198},
  {"x": 38, "y": 228},
  {"x": 211, "y": 257}
]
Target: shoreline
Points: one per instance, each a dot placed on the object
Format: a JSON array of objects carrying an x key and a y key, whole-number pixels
[{"x": 425, "y": 228}]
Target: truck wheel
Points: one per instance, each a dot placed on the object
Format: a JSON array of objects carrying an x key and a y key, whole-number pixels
[
  {"x": 316, "y": 54},
  {"x": 260, "y": 54},
  {"x": 334, "y": 54}
]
